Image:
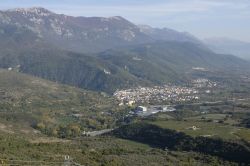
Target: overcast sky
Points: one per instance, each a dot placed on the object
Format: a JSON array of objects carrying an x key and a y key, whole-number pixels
[{"x": 203, "y": 18}]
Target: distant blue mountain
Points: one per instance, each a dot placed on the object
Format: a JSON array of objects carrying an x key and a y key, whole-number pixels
[{"x": 229, "y": 46}]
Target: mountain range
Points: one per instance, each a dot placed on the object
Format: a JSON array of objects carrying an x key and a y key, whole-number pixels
[
  {"x": 86, "y": 34},
  {"x": 166, "y": 34},
  {"x": 229, "y": 46},
  {"x": 103, "y": 54},
  {"x": 78, "y": 34}
]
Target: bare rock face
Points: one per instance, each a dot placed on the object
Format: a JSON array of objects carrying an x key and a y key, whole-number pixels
[
  {"x": 87, "y": 34},
  {"x": 81, "y": 34}
]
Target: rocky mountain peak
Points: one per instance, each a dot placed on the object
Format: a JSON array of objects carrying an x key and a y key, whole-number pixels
[{"x": 34, "y": 10}]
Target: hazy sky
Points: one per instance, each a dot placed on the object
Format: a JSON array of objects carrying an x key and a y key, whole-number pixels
[{"x": 203, "y": 18}]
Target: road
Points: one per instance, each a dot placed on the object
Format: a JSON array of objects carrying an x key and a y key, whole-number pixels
[{"x": 100, "y": 132}]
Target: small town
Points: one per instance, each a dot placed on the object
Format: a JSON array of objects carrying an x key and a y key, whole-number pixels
[
  {"x": 203, "y": 83},
  {"x": 164, "y": 93}
]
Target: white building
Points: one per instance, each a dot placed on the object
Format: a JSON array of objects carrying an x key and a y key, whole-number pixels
[{"x": 141, "y": 109}]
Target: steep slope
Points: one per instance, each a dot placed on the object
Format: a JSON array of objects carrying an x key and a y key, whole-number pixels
[
  {"x": 163, "y": 62},
  {"x": 79, "y": 34},
  {"x": 70, "y": 68},
  {"x": 229, "y": 46},
  {"x": 29, "y": 54}
]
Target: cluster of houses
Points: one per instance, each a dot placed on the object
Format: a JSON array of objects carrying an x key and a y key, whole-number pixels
[
  {"x": 156, "y": 93},
  {"x": 203, "y": 83}
]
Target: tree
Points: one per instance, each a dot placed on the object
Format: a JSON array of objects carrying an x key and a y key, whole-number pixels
[
  {"x": 40, "y": 126},
  {"x": 73, "y": 130}
]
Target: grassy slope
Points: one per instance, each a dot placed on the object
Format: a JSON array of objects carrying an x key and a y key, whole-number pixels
[{"x": 27, "y": 99}]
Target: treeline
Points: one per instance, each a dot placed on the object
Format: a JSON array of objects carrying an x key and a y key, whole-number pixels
[
  {"x": 68, "y": 131},
  {"x": 172, "y": 140}
]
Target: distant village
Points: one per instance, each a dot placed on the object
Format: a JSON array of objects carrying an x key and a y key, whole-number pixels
[{"x": 164, "y": 93}]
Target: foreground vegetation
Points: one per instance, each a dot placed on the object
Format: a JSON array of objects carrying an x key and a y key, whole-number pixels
[{"x": 98, "y": 151}]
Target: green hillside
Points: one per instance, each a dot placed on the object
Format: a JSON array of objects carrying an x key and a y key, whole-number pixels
[
  {"x": 165, "y": 62},
  {"x": 53, "y": 108},
  {"x": 75, "y": 69},
  {"x": 156, "y": 136},
  {"x": 150, "y": 64},
  {"x": 172, "y": 57}
]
